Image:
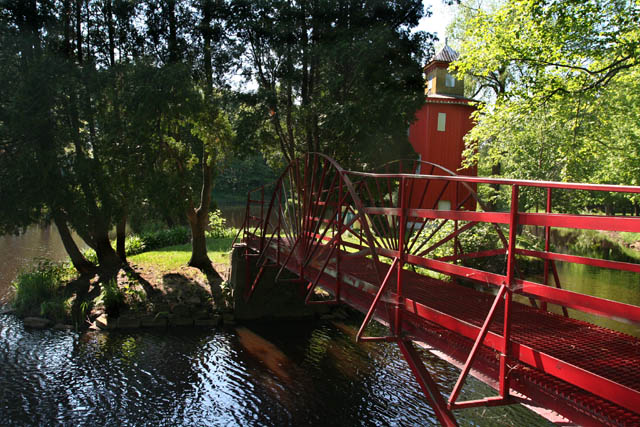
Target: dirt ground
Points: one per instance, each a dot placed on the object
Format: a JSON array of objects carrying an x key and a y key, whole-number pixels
[{"x": 150, "y": 289}]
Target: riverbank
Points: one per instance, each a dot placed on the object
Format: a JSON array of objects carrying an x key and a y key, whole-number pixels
[
  {"x": 611, "y": 245},
  {"x": 155, "y": 288}
]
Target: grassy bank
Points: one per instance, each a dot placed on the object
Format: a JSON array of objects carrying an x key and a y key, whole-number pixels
[
  {"x": 174, "y": 257},
  {"x": 151, "y": 281},
  {"x": 600, "y": 244}
]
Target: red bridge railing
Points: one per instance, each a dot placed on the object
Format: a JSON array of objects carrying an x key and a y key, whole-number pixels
[{"x": 417, "y": 216}]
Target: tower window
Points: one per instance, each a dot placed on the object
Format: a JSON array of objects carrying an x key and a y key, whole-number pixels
[
  {"x": 449, "y": 80},
  {"x": 442, "y": 121}
]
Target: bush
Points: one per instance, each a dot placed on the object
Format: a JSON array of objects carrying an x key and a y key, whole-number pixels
[
  {"x": 112, "y": 298},
  {"x": 90, "y": 255},
  {"x": 134, "y": 245},
  {"x": 217, "y": 226},
  {"x": 57, "y": 309},
  {"x": 38, "y": 290},
  {"x": 162, "y": 238}
]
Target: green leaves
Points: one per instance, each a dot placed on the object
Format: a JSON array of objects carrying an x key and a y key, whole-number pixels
[
  {"x": 566, "y": 107},
  {"x": 343, "y": 78},
  {"x": 556, "y": 47}
]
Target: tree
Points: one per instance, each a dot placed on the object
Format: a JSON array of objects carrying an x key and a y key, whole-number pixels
[
  {"x": 343, "y": 78},
  {"x": 559, "y": 114}
]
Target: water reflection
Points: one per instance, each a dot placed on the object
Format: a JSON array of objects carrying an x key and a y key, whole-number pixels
[
  {"x": 18, "y": 251},
  {"x": 621, "y": 286},
  {"x": 315, "y": 374},
  {"x": 188, "y": 377}
]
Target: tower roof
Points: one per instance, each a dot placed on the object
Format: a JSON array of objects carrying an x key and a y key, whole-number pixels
[{"x": 446, "y": 54}]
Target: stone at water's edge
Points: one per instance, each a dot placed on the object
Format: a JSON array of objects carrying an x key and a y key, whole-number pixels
[
  {"x": 270, "y": 299},
  {"x": 62, "y": 327},
  {"x": 151, "y": 321},
  {"x": 128, "y": 322},
  {"x": 36, "y": 322},
  {"x": 212, "y": 321},
  {"x": 105, "y": 322},
  {"x": 180, "y": 321}
]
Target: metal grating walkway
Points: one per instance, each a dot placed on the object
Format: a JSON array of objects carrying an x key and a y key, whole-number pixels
[{"x": 611, "y": 355}]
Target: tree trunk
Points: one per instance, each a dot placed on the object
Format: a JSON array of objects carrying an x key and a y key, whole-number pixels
[
  {"x": 77, "y": 259},
  {"x": 121, "y": 237},
  {"x": 198, "y": 223},
  {"x": 198, "y": 220},
  {"x": 107, "y": 257}
]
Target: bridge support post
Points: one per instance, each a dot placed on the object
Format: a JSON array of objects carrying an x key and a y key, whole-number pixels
[
  {"x": 511, "y": 260},
  {"x": 427, "y": 384}
]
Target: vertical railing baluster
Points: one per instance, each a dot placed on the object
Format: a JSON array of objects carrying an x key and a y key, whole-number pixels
[
  {"x": 547, "y": 246},
  {"x": 506, "y": 332},
  {"x": 339, "y": 240},
  {"x": 279, "y": 193},
  {"x": 403, "y": 226}
]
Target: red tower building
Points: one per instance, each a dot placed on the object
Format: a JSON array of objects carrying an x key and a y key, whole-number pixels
[{"x": 440, "y": 126}]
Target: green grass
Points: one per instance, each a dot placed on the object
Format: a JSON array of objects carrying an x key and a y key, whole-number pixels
[
  {"x": 174, "y": 257},
  {"x": 38, "y": 290},
  {"x": 630, "y": 238}
]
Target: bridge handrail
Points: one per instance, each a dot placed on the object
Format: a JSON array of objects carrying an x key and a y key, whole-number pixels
[
  {"x": 504, "y": 181},
  {"x": 383, "y": 213}
]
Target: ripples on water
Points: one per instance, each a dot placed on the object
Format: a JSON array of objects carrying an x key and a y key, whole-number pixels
[{"x": 190, "y": 377}]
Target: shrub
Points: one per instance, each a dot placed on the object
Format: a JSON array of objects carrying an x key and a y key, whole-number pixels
[
  {"x": 112, "y": 298},
  {"x": 217, "y": 226},
  {"x": 38, "y": 290},
  {"x": 57, "y": 309},
  {"x": 90, "y": 255},
  {"x": 161, "y": 238},
  {"x": 134, "y": 245}
]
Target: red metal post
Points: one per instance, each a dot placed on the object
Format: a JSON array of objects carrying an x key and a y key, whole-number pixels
[
  {"x": 511, "y": 259},
  {"x": 474, "y": 351},
  {"x": 279, "y": 224},
  {"x": 455, "y": 223},
  {"x": 402, "y": 230},
  {"x": 339, "y": 241},
  {"x": 547, "y": 246},
  {"x": 427, "y": 384},
  {"x": 262, "y": 220}
]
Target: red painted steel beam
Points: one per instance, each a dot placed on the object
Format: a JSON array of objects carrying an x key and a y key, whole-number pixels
[
  {"x": 487, "y": 401},
  {"x": 476, "y": 346},
  {"x": 479, "y": 254},
  {"x": 587, "y": 303},
  {"x": 427, "y": 384},
  {"x": 372, "y": 309},
  {"x": 603, "y": 387},
  {"x": 493, "y": 217},
  {"x": 361, "y": 301},
  {"x": 499, "y": 181}
]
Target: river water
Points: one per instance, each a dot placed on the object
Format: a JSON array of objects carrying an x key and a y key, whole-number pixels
[{"x": 311, "y": 373}]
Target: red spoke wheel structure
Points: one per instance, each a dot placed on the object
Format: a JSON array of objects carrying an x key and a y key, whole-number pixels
[{"x": 412, "y": 246}]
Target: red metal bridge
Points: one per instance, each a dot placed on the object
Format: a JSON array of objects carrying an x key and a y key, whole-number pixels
[{"x": 413, "y": 247}]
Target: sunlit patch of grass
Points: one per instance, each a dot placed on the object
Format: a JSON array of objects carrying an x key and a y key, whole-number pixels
[{"x": 174, "y": 257}]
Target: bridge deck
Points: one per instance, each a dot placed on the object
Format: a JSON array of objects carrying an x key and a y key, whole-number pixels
[{"x": 547, "y": 349}]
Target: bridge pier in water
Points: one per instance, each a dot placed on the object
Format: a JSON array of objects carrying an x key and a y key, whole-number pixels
[
  {"x": 275, "y": 298},
  {"x": 383, "y": 244}
]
